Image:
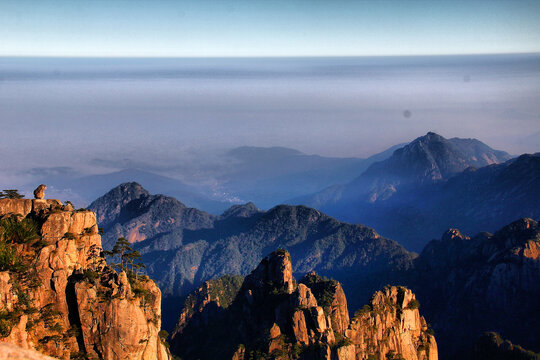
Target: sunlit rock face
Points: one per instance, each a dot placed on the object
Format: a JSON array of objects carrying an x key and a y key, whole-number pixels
[
  {"x": 58, "y": 296},
  {"x": 273, "y": 315}
]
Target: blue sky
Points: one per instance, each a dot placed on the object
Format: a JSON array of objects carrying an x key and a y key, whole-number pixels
[{"x": 266, "y": 28}]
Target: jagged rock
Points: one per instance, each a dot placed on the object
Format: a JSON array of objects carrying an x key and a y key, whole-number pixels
[
  {"x": 60, "y": 300},
  {"x": 347, "y": 352},
  {"x": 276, "y": 269},
  {"x": 240, "y": 353},
  {"x": 303, "y": 297},
  {"x": 299, "y": 327},
  {"x": 492, "y": 278},
  {"x": 68, "y": 207},
  {"x": 39, "y": 193},
  {"x": 311, "y": 321},
  {"x": 275, "y": 343},
  {"x": 391, "y": 322}
]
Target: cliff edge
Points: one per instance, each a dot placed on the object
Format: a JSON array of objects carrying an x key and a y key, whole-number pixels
[{"x": 58, "y": 295}]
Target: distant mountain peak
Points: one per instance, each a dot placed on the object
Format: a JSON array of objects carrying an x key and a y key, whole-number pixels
[
  {"x": 432, "y": 136},
  {"x": 108, "y": 206},
  {"x": 132, "y": 187},
  {"x": 241, "y": 210},
  {"x": 433, "y": 157}
]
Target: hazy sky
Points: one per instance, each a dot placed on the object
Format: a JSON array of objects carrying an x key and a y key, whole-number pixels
[
  {"x": 166, "y": 83},
  {"x": 66, "y": 112},
  {"x": 266, "y": 27}
]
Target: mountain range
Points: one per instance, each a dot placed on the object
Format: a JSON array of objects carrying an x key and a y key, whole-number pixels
[
  {"x": 265, "y": 176},
  {"x": 183, "y": 247},
  {"x": 270, "y": 176},
  {"x": 434, "y": 184},
  {"x": 82, "y": 190},
  {"x": 487, "y": 282}
]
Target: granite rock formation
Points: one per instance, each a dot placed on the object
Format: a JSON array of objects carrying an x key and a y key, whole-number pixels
[
  {"x": 13, "y": 352},
  {"x": 491, "y": 280},
  {"x": 273, "y": 316},
  {"x": 58, "y": 296},
  {"x": 39, "y": 192}
]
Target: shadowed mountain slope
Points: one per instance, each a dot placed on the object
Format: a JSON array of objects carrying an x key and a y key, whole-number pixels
[
  {"x": 413, "y": 198},
  {"x": 182, "y": 247}
]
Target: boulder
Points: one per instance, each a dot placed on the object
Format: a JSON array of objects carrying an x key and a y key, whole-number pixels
[{"x": 39, "y": 193}]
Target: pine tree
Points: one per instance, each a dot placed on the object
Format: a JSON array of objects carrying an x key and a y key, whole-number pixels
[
  {"x": 123, "y": 251},
  {"x": 95, "y": 257},
  {"x": 10, "y": 194}
]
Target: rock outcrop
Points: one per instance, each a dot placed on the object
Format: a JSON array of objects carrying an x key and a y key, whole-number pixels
[
  {"x": 273, "y": 315},
  {"x": 391, "y": 323},
  {"x": 58, "y": 296},
  {"x": 39, "y": 193},
  {"x": 492, "y": 279}
]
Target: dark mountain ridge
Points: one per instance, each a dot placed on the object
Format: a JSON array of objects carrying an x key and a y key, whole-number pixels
[
  {"x": 182, "y": 247},
  {"x": 130, "y": 211},
  {"x": 425, "y": 160},
  {"x": 489, "y": 282},
  {"x": 413, "y": 198},
  {"x": 465, "y": 285}
]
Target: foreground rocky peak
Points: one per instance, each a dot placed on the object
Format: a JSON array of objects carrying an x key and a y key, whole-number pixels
[
  {"x": 395, "y": 310},
  {"x": 272, "y": 315},
  {"x": 275, "y": 269},
  {"x": 59, "y": 297}
]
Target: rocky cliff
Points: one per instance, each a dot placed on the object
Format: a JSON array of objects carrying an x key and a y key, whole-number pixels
[
  {"x": 273, "y": 316},
  {"x": 58, "y": 296},
  {"x": 491, "y": 280}
]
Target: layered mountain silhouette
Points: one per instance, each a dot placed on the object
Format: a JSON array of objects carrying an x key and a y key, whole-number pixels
[
  {"x": 270, "y": 176},
  {"x": 83, "y": 190},
  {"x": 182, "y": 247},
  {"x": 433, "y": 184},
  {"x": 266, "y": 176},
  {"x": 466, "y": 285}
]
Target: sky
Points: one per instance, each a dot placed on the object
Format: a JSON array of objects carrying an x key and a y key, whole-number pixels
[
  {"x": 259, "y": 28},
  {"x": 89, "y": 86}
]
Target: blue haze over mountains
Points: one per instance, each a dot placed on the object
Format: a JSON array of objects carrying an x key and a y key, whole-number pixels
[
  {"x": 177, "y": 117},
  {"x": 213, "y": 132}
]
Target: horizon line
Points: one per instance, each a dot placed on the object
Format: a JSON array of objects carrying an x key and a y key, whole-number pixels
[{"x": 259, "y": 56}]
